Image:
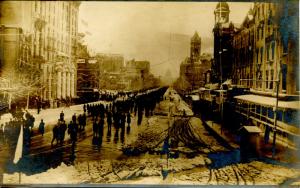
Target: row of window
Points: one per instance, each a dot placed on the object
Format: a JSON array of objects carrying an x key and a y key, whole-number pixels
[
  {"x": 62, "y": 21},
  {"x": 288, "y": 116},
  {"x": 264, "y": 8}
]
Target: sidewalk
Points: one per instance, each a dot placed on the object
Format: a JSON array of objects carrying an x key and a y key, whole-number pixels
[
  {"x": 51, "y": 115},
  {"x": 283, "y": 154},
  {"x": 223, "y": 134}
]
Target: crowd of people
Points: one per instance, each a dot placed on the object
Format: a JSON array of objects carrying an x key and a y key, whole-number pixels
[
  {"x": 75, "y": 126},
  {"x": 10, "y": 130},
  {"x": 117, "y": 113}
]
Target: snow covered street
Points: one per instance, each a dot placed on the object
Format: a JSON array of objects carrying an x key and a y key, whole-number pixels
[
  {"x": 148, "y": 171},
  {"x": 164, "y": 149}
]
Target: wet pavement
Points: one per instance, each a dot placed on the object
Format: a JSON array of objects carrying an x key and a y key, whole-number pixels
[
  {"x": 41, "y": 156},
  {"x": 90, "y": 154}
]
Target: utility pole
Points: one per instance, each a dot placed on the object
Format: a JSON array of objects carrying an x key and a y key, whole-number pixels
[
  {"x": 275, "y": 118},
  {"x": 276, "y": 104},
  {"x": 27, "y": 103}
]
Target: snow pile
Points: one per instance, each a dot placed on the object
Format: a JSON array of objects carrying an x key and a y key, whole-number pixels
[
  {"x": 273, "y": 174},
  {"x": 144, "y": 181},
  {"x": 192, "y": 133},
  {"x": 150, "y": 136},
  {"x": 111, "y": 171},
  {"x": 173, "y": 102},
  {"x": 177, "y": 107},
  {"x": 60, "y": 175},
  {"x": 254, "y": 173},
  {"x": 142, "y": 171},
  {"x": 188, "y": 132},
  {"x": 182, "y": 107},
  {"x": 5, "y": 118},
  {"x": 180, "y": 164}
]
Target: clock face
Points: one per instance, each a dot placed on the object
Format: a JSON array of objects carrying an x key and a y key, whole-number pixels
[{"x": 222, "y": 19}]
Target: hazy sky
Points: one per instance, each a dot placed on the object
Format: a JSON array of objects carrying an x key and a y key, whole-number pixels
[{"x": 135, "y": 29}]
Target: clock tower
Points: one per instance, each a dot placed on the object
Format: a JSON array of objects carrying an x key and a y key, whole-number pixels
[{"x": 222, "y": 13}]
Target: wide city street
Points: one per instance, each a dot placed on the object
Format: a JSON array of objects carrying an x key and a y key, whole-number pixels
[{"x": 136, "y": 154}]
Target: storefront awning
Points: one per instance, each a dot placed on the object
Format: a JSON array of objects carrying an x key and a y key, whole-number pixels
[{"x": 269, "y": 101}]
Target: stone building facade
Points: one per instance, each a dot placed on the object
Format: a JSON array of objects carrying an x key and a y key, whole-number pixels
[
  {"x": 136, "y": 73},
  {"x": 243, "y": 47},
  {"x": 88, "y": 74},
  {"x": 49, "y": 30},
  {"x": 110, "y": 62},
  {"x": 223, "y": 32},
  {"x": 193, "y": 69},
  {"x": 266, "y": 49}
]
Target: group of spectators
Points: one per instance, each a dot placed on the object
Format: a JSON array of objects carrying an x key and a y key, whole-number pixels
[
  {"x": 118, "y": 113},
  {"x": 10, "y": 130}
]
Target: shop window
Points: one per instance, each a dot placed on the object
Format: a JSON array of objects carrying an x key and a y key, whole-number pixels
[
  {"x": 284, "y": 73},
  {"x": 261, "y": 54},
  {"x": 273, "y": 50},
  {"x": 279, "y": 115},
  {"x": 270, "y": 113},
  {"x": 272, "y": 79},
  {"x": 257, "y": 52},
  {"x": 292, "y": 117},
  {"x": 267, "y": 79},
  {"x": 296, "y": 67},
  {"x": 268, "y": 49},
  {"x": 264, "y": 111}
]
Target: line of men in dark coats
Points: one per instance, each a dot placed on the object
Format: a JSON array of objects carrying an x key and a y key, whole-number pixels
[
  {"x": 76, "y": 125},
  {"x": 117, "y": 113}
]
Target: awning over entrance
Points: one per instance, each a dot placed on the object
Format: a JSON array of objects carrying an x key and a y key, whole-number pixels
[{"x": 269, "y": 101}]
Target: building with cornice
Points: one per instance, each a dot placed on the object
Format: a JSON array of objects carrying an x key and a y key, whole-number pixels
[
  {"x": 194, "y": 68},
  {"x": 46, "y": 43},
  {"x": 223, "y": 34}
]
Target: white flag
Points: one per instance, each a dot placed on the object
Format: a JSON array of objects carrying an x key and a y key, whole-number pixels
[{"x": 19, "y": 148}]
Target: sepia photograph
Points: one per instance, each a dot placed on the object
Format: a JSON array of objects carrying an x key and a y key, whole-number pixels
[{"x": 149, "y": 93}]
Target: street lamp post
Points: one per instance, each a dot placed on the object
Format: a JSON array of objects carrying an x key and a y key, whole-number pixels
[
  {"x": 276, "y": 103},
  {"x": 275, "y": 117}
]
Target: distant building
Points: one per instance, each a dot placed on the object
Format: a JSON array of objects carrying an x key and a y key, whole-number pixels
[
  {"x": 223, "y": 35},
  {"x": 137, "y": 68},
  {"x": 136, "y": 73},
  {"x": 111, "y": 70},
  {"x": 88, "y": 74},
  {"x": 110, "y": 62},
  {"x": 193, "y": 69}
]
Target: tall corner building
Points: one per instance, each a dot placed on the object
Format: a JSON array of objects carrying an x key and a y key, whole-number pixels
[
  {"x": 223, "y": 33},
  {"x": 194, "y": 67},
  {"x": 38, "y": 42}
]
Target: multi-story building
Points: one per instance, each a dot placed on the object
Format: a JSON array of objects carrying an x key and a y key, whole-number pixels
[
  {"x": 47, "y": 31},
  {"x": 223, "y": 36},
  {"x": 88, "y": 74},
  {"x": 266, "y": 60},
  {"x": 243, "y": 46},
  {"x": 136, "y": 73},
  {"x": 137, "y": 68},
  {"x": 194, "y": 68},
  {"x": 265, "y": 50},
  {"x": 110, "y": 62}
]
